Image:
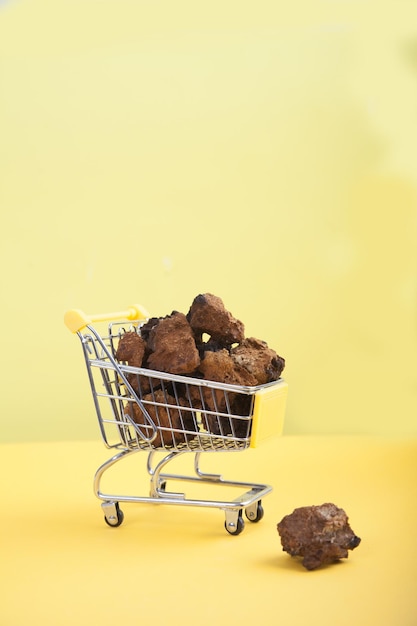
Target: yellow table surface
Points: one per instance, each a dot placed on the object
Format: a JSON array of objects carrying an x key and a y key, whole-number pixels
[{"x": 61, "y": 564}]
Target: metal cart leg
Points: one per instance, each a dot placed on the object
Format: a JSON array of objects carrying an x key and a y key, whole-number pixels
[
  {"x": 249, "y": 501},
  {"x": 204, "y": 475},
  {"x": 158, "y": 481},
  {"x": 234, "y": 523},
  {"x": 113, "y": 515}
]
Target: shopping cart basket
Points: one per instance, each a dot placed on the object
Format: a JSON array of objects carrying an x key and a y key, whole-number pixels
[{"x": 146, "y": 410}]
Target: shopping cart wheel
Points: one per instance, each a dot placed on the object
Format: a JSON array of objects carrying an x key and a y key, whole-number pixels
[
  {"x": 255, "y": 512},
  {"x": 234, "y": 523},
  {"x": 113, "y": 515}
]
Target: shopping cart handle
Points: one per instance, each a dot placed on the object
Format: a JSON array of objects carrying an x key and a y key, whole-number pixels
[{"x": 76, "y": 320}]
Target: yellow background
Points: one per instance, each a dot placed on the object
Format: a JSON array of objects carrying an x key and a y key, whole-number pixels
[
  {"x": 151, "y": 150},
  {"x": 265, "y": 152}
]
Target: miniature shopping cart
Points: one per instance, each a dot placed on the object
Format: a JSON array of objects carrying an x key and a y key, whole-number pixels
[{"x": 139, "y": 409}]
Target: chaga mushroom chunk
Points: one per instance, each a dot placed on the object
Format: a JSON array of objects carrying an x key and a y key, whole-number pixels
[
  {"x": 319, "y": 534},
  {"x": 219, "y": 366},
  {"x": 260, "y": 360},
  {"x": 174, "y": 426},
  {"x": 172, "y": 346},
  {"x": 131, "y": 349},
  {"x": 207, "y": 315},
  {"x": 146, "y": 328}
]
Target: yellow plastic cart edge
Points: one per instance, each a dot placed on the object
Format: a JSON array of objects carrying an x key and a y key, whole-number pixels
[
  {"x": 76, "y": 320},
  {"x": 268, "y": 412}
]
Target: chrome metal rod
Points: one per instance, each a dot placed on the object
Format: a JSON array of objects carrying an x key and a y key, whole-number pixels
[
  {"x": 155, "y": 473},
  {"x": 105, "y": 466},
  {"x": 206, "y": 476}
]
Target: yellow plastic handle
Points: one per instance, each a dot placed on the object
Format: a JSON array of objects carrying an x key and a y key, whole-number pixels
[{"x": 76, "y": 320}]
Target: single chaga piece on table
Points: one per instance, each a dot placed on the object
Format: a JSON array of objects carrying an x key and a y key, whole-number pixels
[
  {"x": 207, "y": 315},
  {"x": 319, "y": 534}
]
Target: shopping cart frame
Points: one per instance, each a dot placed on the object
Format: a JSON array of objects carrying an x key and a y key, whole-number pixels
[{"x": 132, "y": 437}]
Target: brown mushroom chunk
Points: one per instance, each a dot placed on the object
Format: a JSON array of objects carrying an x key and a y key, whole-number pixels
[
  {"x": 261, "y": 361},
  {"x": 172, "y": 346},
  {"x": 207, "y": 315},
  {"x": 220, "y": 367},
  {"x": 131, "y": 349},
  {"x": 174, "y": 425},
  {"x": 318, "y": 534}
]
